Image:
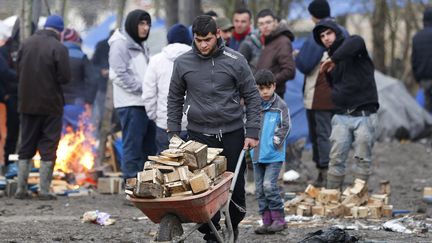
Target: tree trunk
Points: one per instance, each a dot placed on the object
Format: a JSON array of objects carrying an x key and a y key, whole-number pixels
[
  {"x": 36, "y": 11},
  {"x": 188, "y": 10},
  {"x": 26, "y": 19},
  {"x": 60, "y": 7},
  {"x": 106, "y": 126},
  {"x": 379, "y": 18},
  {"x": 172, "y": 12}
]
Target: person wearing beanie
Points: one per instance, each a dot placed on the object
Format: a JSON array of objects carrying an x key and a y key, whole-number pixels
[
  {"x": 41, "y": 114},
  {"x": 421, "y": 56},
  {"x": 316, "y": 93},
  {"x": 80, "y": 92},
  {"x": 128, "y": 62},
  {"x": 54, "y": 22},
  {"x": 350, "y": 72},
  {"x": 319, "y": 9},
  {"x": 157, "y": 81}
]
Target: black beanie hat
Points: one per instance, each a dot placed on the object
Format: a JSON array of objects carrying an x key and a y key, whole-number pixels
[
  {"x": 320, "y": 9},
  {"x": 132, "y": 21}
]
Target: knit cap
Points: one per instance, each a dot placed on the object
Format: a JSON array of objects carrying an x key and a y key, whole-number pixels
[
  {"x": 320, "y": 9},
  {"x": 55, "y": 22}
]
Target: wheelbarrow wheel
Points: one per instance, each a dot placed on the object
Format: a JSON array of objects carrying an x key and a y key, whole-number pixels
[{"x": 169, "y": 227}]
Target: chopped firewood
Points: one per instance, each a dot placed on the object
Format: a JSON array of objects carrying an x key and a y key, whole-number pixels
[
  {"x": 129, "y": 192},
  {"x": 149, "y": 165},
  {"x": 154, "y": 176},
  {"x": 387, "y": 210},
  {"x": 109, "y": 185},
  {"x": 149, "y": 190},
  {"x": 212, "y": 153},
  {"x": 166, "y": 160},
  {"x": 347, "y": 191},
  {"x": 175, "y": 142},
  {"x": 363, "y": 212},
  {"x": 312, "y": 191},
  {"x": 183, "y": 173},
  {"x": 359, "y": 186},
  {"x": 130, "y": 183},
  {"x": 380, "y": 197},
  {"x": 304, "y": 210},
  {"x": 199, "y": 183},
  {"x": 318, "y": 210},
  {"x": 328, "y": 195},
  {"x": 221, "y": 164},
  {"x": 195, "y": 154},
  {"x": 173, "y": 153},
  {"x": 291, "y": 210},
  {"x": 210, "y": 170},
  {"x": 334, "y": 210},
  {"x": 176, "y": 187},
  {"x": 295, "y": 200},
  {"x": 182, "y": 194},
  {"x": 164, "y": 168},
  {"x": 309, "y": 201},
  {"x": 375, "y": 211},
  {"x": 171, "y": 177},
  {"x": 347, "y": 208},
  {"x": 385, "y": 187},
  {"x": 352, "y": 199}
]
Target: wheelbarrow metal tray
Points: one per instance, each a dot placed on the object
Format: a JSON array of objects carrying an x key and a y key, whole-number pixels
[{"x": 191, "y": 209}]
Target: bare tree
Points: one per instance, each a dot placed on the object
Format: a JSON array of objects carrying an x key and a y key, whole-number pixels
[
  {"x": 378, "y": 20},
  {"x": 188, "y": 10},
  {"x": 171, "y": 12},
  {"x": 26, "y": 19}
]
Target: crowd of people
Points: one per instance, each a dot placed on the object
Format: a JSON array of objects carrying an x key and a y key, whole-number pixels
[{"x": 219, "y": 82}]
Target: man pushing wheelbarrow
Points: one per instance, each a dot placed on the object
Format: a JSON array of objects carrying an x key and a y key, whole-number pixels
[{"x": 215, "y": 79}]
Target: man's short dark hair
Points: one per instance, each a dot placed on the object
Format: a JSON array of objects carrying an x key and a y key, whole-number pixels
[
  {"x": 264, "y": 77},
  {"x": 204, "y": 24},
  {"x": 242, "y": 11},
  {"x": 211, "y": 13},
  {"x": 264, "y": 13}
]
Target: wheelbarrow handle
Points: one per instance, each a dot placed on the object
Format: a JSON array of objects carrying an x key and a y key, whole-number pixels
[{"x": 237, "y": 171}]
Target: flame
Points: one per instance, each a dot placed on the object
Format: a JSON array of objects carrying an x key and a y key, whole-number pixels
[{"x": 75, "y": 151}]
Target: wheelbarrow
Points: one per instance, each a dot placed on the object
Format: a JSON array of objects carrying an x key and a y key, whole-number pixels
[{"x": 171, "y": 212}]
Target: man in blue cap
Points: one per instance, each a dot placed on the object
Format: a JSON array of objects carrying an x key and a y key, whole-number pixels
[{"x": 43, "y": 66}]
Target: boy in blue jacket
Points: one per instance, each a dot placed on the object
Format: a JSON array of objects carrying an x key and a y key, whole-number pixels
[{"x": 268, "y": 157}]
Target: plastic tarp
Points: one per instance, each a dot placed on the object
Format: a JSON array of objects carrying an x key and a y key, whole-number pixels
[{"x": 399, "y": 113}]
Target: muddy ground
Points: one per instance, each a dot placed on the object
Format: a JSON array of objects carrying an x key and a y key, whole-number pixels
[{"x": 407, "y": 166}]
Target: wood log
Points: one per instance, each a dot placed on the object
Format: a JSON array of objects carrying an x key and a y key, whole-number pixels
[
  {"x": 212, "y": 153},
  {"x": 327, "y": 195},
  {"x": 387, "y": 211},
  {"x": 195, "y": 154},
  {"x": 374, "y": 211},
  {"x": 154, "y": 176},
  {"x": 173, "y": 153},
  {"x": 200, "y": 183},
  {"x": 175, "y": 142},
  {"x": 221, "y": 164},
  {"x": 304, "y": 210},
  {"x": 176, "y": 187},
  {"x": 334, "y": 210},
  {"x": 312, "y": 191},
  {"x": 171, "y": 177},
  {"x": 148, "y": 190},
  {"x": 318, "y": 210}
]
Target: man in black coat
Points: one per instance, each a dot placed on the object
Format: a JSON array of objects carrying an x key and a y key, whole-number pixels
[
  {"x": 421, "y": 59},
  {"x": 353, "y": 91},
  {"x": 43, "y": 66}
]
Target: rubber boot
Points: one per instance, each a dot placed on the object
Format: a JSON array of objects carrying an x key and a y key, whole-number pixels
[
  {"x": 321, "y": 180},
  {"x": 334, "y": 181},
  {"x": 267, "y": 221},
  {"x": 45, "y": 172},
  {"x": 279, "y": 222},
  {"x": 23, "y": 173}
]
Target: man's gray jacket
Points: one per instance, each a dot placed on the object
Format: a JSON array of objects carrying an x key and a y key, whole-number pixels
[{"x": 214, "y": 86}]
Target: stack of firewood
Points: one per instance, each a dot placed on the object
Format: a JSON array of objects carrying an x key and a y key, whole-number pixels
[
  {"x": 185, "y": 169},
  {"x": 353, "y": 202}
]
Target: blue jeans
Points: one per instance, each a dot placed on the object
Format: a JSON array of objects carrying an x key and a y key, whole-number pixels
[
  {"x": 356, "y": 131},
  {"x": 138, "y": 137},
  {"x": 162, "y": 141},
  {"x": 267, "y": 188}
]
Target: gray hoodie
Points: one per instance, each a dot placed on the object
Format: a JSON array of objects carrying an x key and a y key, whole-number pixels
[{"x": 214, "y": 84}]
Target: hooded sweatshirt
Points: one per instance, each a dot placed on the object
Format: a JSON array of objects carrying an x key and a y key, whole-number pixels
[
  {"x": 276, "y": 55},
  {"x": 352, "y": 80},
  {"x": 157, "y": 80},
  {"x": 422, "y": 49}
]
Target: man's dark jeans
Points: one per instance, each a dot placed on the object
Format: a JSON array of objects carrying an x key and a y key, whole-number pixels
[
  {"x": 232, "y": 144},
  {"x": 138, "y": 137}
]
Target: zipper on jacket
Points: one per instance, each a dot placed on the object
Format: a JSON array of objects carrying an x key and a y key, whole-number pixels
[{"x": 187, "y": 110}]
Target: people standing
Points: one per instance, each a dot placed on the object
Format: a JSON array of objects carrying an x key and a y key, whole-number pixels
[
  {"x": 128, "y": 61},
  {"x": 242, "y": 27},
  {"x": 226, "y": 28},
  {"x": 269, "y": 156},
  {"x": 157, "y": 80},
  {"x": 277, "y": 52},
  {"x": 353, "y": 90},
  {"x": 41, "y": 114},
  {"x": 317, "y": 94},
  {"x": 214, "y": 79},
  {"x": 80, "y": 92},
  {"x": 421, "y": 59}
]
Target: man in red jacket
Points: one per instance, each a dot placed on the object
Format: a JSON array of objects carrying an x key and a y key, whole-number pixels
[{"x": 43, "y": 66}]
